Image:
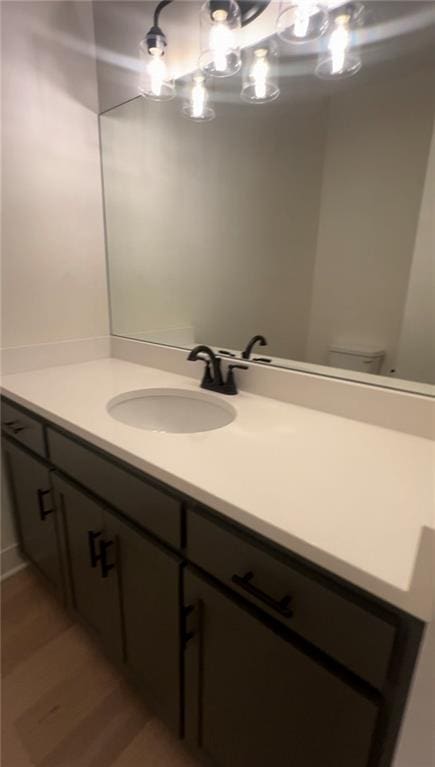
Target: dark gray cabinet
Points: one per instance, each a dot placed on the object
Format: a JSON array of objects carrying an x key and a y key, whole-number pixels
[
  {"x": 127, "y": 589},
  {"x": 253, "y": 654},
  {"x": 150, "y": 586},
  {"x": 36, "y": 514},
  {"x": 327, "y": 618},
  {"x": 91, "y": 560},
  {"x": 252, "y": 698}
]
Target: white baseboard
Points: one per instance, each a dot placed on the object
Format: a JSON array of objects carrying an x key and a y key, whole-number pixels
[{"x": 11, "y": 561}]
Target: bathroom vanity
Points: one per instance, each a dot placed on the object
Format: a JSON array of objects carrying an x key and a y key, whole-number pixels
[{"x": 250, "y": 651}]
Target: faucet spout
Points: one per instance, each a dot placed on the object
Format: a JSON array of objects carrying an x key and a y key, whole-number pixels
[
  {"x": 203, "y": 352},
  {"x": 246, "y": 353}
]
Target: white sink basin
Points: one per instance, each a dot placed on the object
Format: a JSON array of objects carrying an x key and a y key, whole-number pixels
[{"x": 171, "y": 410}]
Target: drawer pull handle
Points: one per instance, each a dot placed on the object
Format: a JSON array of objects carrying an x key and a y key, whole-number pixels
[
  {"x": 14, "y": 426},
  {"x": 105, "y": 566},
  {"x": 43, "y": 512},
  {"x": 281, "y": 606},
  {"x": 93, "y": 556}
]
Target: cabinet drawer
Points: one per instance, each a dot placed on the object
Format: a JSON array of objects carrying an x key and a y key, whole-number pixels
[
  {"x": 149, "y": 507},
  {"x": 24, "y": 428},
  {"x": 314, "y": 609}
]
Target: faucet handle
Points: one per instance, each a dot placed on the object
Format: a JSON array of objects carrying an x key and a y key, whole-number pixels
[
  {"x": 240, "y": 367},
  {"x": 230, "y": 384}
]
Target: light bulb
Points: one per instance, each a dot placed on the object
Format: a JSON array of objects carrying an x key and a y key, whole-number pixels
[
  {"x": 338, "y": 44},
  {"x": 302, "y": 21},
  {"x": 259, "y": 73},
  {"x": 156, "y": 82},
  {"x": 220, "y": 52},
  {"x": 196, "y": 107},
  {"x": 258, "y": 83},
  {"x": 157, "y": 70},
  {"x": 340, "y": 60},
  {"x": 221, "y": 40}
]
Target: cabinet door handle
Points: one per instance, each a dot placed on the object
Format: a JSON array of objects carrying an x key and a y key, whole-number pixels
[
  {"x": 189, "y": 631},
  {"x": 93, "y": 556},
  {"x": 281, "y": 606},
  {"x": 43, "y": 512},
  {"x": 105, "y": 566}
]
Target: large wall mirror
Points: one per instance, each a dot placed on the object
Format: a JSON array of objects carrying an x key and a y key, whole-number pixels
[{"x": 309, "y": 220}]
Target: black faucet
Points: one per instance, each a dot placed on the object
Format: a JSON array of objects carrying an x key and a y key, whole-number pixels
[
  {"x": 209, "y": 381},
  {"x": 212, "y": 378},
  {"x": 246, "y": 353}
]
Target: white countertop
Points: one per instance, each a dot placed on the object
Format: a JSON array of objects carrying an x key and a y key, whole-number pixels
[{"x": 355, "y": 498}]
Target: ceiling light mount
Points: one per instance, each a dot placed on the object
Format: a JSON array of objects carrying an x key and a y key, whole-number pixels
[{"x": 252, "y": 10}]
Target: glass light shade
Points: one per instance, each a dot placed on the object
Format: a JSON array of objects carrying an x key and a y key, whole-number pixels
[
  {"x": 197, "y": 107},
  {"x": 327, "y": 70},
  {"x": 260, "y": 76},
  {"x": 302, "y": 21},
  {"x": 221, "y": 22},
  {"x": 155, "y": 80},
  {"x": 341, "y": 60}
]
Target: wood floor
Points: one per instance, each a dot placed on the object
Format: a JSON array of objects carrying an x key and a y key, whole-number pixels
[{"x": 63, "y": 704}]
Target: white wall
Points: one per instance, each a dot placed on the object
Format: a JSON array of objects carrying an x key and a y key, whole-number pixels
[
  {"x": 416, "y": 353},
  {"x": 53, "y": 264},
  {"x": 378, "y": 142},
  {"x": 53, "y": 272}
]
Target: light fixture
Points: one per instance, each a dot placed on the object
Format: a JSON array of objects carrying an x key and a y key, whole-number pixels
[
  {"x": 302, "y": 21},
  {"x": 155, "y": 80},
  {"x": 221, "y": 21},
  {"x": 341, "y": 60},
  {"x": 259, "y": 78},
  {"x": 196, "y": 106}
]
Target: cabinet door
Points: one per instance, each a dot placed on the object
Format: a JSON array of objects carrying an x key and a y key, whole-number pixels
[
  {"x": 35, "y": 512},
  {"x": 253, "y": 699},
  {"x": 151, "y": 604},
  {"x": 92, "y": 564}
]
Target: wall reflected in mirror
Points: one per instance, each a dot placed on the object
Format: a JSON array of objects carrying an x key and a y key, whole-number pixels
[{"x": 309, "y": 219}]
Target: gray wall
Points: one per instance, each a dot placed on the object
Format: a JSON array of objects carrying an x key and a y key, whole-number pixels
[
  {"x": 53, "y": 264},
  {"x": 53, "y": 269}
]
